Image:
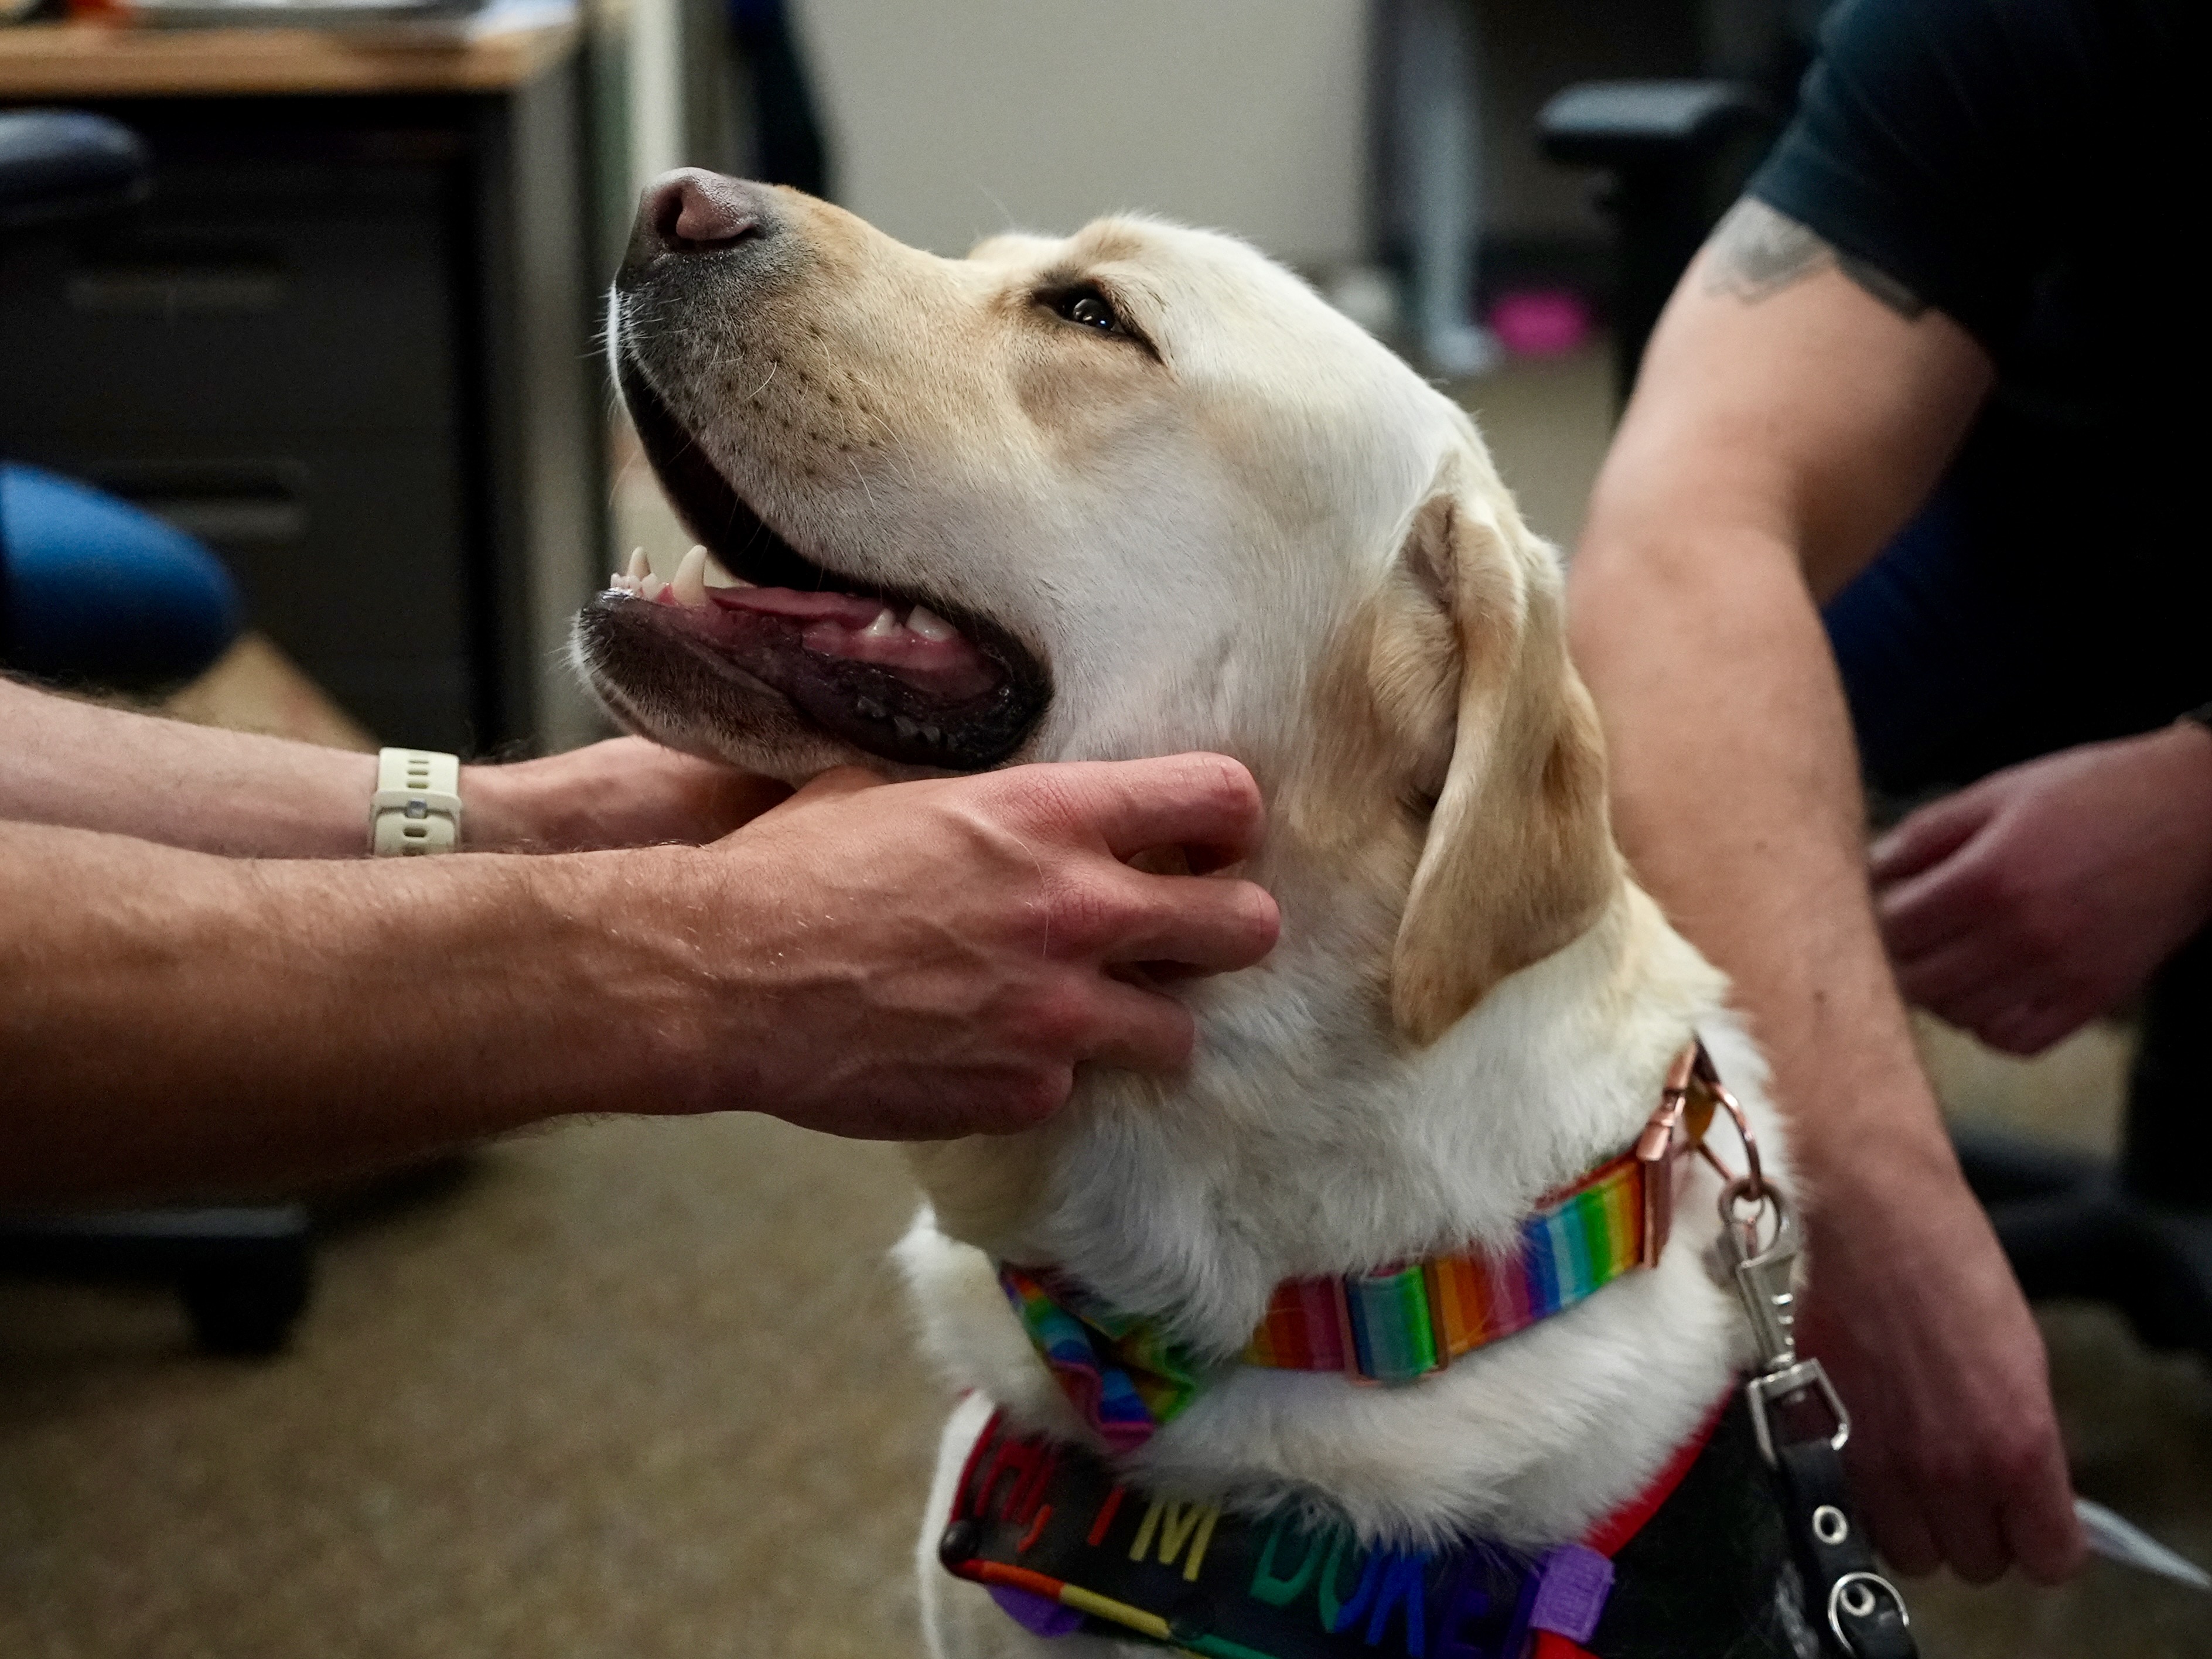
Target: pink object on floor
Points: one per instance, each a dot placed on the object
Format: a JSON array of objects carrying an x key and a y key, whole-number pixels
[{"x": 1547, "y": 322}]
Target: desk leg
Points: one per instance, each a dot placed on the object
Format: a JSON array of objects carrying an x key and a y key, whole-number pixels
[
  {"x": 542, "y": 402},
  {"x": 1438, "y": 93}
]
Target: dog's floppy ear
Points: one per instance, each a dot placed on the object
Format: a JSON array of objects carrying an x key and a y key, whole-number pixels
[{"x": 1518, "y": 858}]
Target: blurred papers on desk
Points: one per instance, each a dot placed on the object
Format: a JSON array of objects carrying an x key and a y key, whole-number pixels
[{"x": 429, "y": 19}]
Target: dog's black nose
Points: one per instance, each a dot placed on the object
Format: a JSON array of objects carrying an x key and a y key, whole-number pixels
[{"x": 692, "y": 210}]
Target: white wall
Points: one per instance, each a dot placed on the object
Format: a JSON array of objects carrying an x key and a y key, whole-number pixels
[{"x": 951, "y": 119}]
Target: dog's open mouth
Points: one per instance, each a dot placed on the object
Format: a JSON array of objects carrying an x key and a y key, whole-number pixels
[{"x": 883, "y": 670}]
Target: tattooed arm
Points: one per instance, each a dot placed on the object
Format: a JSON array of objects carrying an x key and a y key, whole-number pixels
[
  {"x": 1754, "y": 252},
  {"x": 1795, "y": 408},
  {"x": 1813, "y": 392}
]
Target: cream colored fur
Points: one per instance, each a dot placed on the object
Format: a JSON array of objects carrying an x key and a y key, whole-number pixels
[{"x": 1273, "y": 540}]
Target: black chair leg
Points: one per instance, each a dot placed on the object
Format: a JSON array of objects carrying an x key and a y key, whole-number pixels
[
  {"x": 2167, "y": 1156},
  {"x": 2135, "y": 1233},
  {"x": 243, "y": 1273}
]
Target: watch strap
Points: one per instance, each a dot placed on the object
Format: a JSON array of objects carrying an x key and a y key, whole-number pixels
[{"x": 416, "y": 808}]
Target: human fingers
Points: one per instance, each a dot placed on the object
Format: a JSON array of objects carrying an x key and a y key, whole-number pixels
[
  {"x": 1924, "y": 1487},
  {"x": 1962, "y": 1526},
  {"x": 1891, "y": 1518},
  {"x": 2041, "y": 1527},
  {"x": 1926, "y": 836},
  {"x": 1966, "y": 1423},
  {"x": 2027, "y": 1029},
  {"x": 1960, "y": 981},
  {"x": 1139, "y": 1029},
  {"x": 1206, "y": 803},
  {"x": 1993, "y": 1016},
  {"x": 1947, "y": 900},
  {"x": 1980, "y": 985},
  {"x": 1204, "y": 923},
  {"x": 1995, "y": 1489}
]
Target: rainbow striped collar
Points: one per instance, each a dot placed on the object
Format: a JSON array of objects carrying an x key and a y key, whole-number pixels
[{"x": 1395, "y": 1324}]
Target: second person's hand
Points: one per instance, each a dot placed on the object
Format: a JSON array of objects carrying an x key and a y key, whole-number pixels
[{"x": 2042, "y": 895}]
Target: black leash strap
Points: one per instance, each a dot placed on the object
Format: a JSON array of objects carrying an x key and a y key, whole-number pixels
[
  {"x": 1847, "y": 1599},
  {"x": 1802, "y": 1426}
]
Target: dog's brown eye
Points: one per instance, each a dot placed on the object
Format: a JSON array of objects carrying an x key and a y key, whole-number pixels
[{"x": 1088, "y": 306}]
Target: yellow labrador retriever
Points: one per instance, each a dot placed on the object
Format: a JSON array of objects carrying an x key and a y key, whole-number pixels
[{"x": 1295, "y": 1353}]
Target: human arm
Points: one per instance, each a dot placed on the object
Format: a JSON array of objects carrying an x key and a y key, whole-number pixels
[
  {"x": 924, "y": 959},
  {"x": 76, "y": 764},
  {"x": 2042, "y": 897},
  {"x": 1786, "y": 422}
]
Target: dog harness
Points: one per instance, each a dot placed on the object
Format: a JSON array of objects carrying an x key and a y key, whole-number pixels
[
  {"x": 1690, "y": 1565},
  {"x": 1127, "y": 1376}
]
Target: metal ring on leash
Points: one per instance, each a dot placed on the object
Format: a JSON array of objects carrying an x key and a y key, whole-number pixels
[
  {"x": 1765, "y": 1200},
  {"x": 1855, "y": 1594}
]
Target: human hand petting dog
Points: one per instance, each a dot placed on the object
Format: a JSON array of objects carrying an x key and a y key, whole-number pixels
[
  {"x": 932, "y": 959},
  {"x": 2046, "y": 894},
  {"x": 197, "y": 997}
]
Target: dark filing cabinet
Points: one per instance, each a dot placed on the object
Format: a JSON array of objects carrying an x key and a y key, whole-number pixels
[{"x": 347, "y": 344}]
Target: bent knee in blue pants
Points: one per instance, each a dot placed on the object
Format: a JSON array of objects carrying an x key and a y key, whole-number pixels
[{"x": 98, "y": 591}]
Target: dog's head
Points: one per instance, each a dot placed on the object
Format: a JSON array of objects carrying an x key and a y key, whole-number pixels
[{"x": 1136, "y": 491}]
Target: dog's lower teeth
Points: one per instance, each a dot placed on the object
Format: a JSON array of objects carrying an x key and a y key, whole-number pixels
[
  {"x": 929, "y": 625},
  {"x": 872, "y": 708}
]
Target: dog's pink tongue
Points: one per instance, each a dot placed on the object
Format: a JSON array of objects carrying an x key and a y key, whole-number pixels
[{"x": 922, "y": 648}]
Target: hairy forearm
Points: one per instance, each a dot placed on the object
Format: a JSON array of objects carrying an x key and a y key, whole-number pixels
[
  {"x": 85, "y": 767},
  {"x": 244, "y": 795},
  {"x": 1737, "y": 799},
  {"x": 1788, "y": 419},
  {"x": 171, "y": 1022},
  {"x": 1788, "y": 422}
]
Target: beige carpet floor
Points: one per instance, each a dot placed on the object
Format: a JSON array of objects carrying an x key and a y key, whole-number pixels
[
  {"x": 644, "y": 1391},
  {"x": 622, "y": 1391}
]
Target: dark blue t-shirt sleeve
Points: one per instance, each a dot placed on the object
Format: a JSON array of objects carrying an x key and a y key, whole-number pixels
[{"x": 1956, "y": 144}]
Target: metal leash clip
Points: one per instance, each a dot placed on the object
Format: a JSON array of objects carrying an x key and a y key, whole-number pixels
[
  {"x": 1765, "y": 1279},
  {"x": 1843, "y": 1587}
]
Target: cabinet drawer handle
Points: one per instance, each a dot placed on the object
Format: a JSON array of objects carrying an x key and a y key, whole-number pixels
[{"x": 165, "y": 290}]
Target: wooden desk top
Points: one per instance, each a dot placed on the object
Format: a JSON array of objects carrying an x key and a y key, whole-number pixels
[{"x": 91, "y": 60}]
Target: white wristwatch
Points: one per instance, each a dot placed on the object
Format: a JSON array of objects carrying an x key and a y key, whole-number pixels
[{"x": 416, "y": 807}]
